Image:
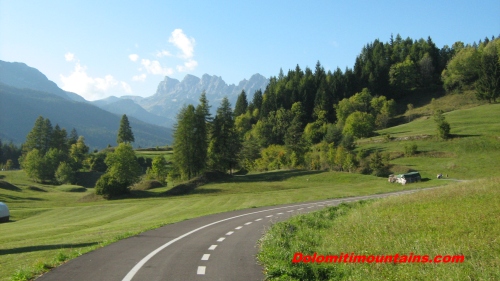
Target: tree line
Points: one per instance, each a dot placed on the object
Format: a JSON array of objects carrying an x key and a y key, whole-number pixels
[
  {"x": 50, "y": 155},
  {"x": 311, "y": 119}
]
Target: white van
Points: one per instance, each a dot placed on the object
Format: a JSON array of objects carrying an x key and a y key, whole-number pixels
[{"x": 4, "y": 212}]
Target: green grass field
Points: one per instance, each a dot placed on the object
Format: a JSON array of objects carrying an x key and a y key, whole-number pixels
[
  {"x": 460, "y": 219},
  {"x": 52, "y": 221},
  {"x": 51, "y": 224}
]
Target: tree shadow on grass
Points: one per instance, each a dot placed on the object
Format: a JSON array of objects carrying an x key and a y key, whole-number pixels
[
  {"x": 270, "y": 177},
  {"x": 20, "y": 199},
  {"x": 44, "y": 248},
  {"x": 9, "y": 186},
  {"x": 455, "y": 136},
  {"x": 206, "y": 191}
]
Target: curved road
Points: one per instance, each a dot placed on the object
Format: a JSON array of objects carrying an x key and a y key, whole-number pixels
[{"x": 215, "y": 247}]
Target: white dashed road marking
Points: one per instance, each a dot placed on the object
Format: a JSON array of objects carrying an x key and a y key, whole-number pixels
[
  {"x": 290, "y": 211},
  {"x": 269, "y": 216},
  {"x": 239, "y": 227},
  {"x": 205, "y": 257},
  {"x": 258, "y": 219},
  {"x": 212, "y": 247},
  {"x": 201, "y": 270},
  {"x": 279, "y": 213},
  {"x": 221, "y": 239},
  {"x": 230, "y": 232},
  {"x": 248, "y": 223}
]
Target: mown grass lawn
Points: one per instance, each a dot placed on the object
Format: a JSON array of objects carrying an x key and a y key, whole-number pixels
[{"x": 50, "y": 222}]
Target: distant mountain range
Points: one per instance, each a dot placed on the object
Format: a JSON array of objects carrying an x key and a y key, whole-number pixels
[
  {"x": 26, "y": 93},
  {"x": 162, "y": 107}
]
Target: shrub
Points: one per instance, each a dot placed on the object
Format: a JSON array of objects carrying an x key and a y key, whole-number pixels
[
  {"x": 410, "y": 150},
  {"x": 110, "y": 187},
  {"x": 64, "y": 173}
]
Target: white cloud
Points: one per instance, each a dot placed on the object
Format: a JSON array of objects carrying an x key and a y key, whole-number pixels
[
  {"x": 181, "y": 41},
  {"x": 184, "y": 60},
  {"x": 69, "y": 56},
  {"x": 188, "y": 65},
  {"x": 154, "y": 67},
  {"x": 126, "y": 87},
  {"x": 91, "y": 88},
  {"x": 163, "y": 53},
  {"x": 133, "y": 57},
  {"x": 140, "y": 78}
]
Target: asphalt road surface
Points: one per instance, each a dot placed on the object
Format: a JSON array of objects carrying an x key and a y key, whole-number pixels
[{"x": 215, "y": 247}]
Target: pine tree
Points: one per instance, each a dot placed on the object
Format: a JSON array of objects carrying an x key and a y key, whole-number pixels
[
  {"x": 488, "y": 84},
  {"x": 59, "y": 139},
  {"x": 224, "y": 142},
  {"x": 241, "y": 104},
  {"x": 185, "y": 142},
  {"x": 125, "y": 133},
  {"x": 257, "y": 100},
  {"x": 39, "y": 137},
  {"x": 34, "y": 137},
  {"x": 73, "y": 137}
]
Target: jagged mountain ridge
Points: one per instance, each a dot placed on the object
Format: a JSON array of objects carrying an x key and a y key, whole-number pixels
[{"x": 172, "y": 94}]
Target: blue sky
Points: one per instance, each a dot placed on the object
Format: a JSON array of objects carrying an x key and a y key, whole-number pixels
[{"x": 103, "y": 48}]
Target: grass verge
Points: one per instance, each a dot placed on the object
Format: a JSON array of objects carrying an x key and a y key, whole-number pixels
[{"x": 458, "y": 219}]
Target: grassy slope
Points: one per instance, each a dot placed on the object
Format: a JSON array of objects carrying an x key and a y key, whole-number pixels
[
  {"x": 57, "y": 221},
  {"x": 459, "y": 219},
  {"x": 54, "y": 221}
]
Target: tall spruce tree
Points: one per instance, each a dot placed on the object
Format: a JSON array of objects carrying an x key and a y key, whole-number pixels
[
  {"x": 125, "y": 133},
  {"x": 73, "y": 137},
  {"x": 488, "y": 84},
  {"x": 39, "y": 137},
  {"x": 224, "y": 141},
  {"x": 185, "y": 142},
  {"x": 241, "y": 104}
]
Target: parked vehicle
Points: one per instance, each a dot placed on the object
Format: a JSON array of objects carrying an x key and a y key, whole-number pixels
[{"x": 4, "y": 213}]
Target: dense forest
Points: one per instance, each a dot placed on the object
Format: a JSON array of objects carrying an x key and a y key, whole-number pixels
[{"x": 311, "y": 119}]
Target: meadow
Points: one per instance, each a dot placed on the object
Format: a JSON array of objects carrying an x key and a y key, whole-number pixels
[
  {"x": 459, "y": 219},
  {"x": 51, "y": 224}
]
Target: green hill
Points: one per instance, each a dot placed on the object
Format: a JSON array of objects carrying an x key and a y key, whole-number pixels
[
  {"x": 459, "y": 219},
  {"x": 19, "y": 109}
]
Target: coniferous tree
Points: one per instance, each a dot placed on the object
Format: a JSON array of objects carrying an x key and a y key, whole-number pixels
[
  {"x": 73, "y": 137},
  {"x": 257, "y": 100},
  {"x": 488, "y": 84},
  {"x": 34, "y": 139},
  {"x": 125, "y": 133},
  {"x": 185, "y": 142},
  {"x": 241, "y": 104},
  {"x": 224, "y": 142},
  {"x": 59, "y": 139}
]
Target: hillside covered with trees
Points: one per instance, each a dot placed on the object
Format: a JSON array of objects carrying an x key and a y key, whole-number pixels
[{"x": 311, "y": 119}]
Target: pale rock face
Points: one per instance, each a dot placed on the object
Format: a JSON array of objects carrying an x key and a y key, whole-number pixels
[{"x": 172, "y": 94}]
